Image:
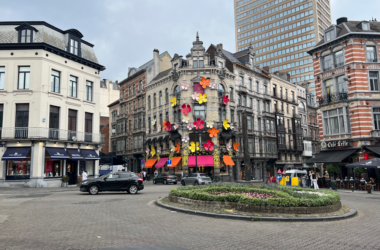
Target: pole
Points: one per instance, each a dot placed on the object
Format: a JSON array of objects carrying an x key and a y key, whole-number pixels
[
  {"x": 247, "y": 158},
  {"x": 196, "y": 154}
]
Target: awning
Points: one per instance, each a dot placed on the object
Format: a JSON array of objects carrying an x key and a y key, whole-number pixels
[
  {"x": 150, "y": 163},
  {"x": 202, "y": 160},
  {"x": 371, "y": 163},
  {"x": 89, "y": 154},
  {"x": 75, "y": 155},
  {"x": 228, "y": 161},
  {"x": 15, "y": 154},
  {"x": 159, "y": 139},
  {"x": 57, "y": 154},
  {"x": 175, "y": 161},
  {"x": 161, "y": 163},
  {"x": 375, "y": 149},
  {"x": 148, "y": 141},
  {"x": 334, "y": 156}
]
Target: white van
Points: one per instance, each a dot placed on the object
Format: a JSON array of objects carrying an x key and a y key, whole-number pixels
[{"x": 296, "y": 173}]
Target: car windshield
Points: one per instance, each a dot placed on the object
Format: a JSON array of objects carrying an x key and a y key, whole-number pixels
[
  {"x": 134, "y": 174},
  {"x": 204, "y": 176}
]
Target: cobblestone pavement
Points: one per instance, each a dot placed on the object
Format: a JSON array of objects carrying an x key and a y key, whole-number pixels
[{"x": 64, "y": 218}]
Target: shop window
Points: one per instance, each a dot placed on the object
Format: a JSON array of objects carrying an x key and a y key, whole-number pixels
[
  {"x": 53, "y": 169},
  {"x": 18, "y": 169}
]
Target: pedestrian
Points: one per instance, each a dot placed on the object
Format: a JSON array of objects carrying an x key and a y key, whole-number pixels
[
  {"x": 155, "y": 173},
  {"x": 311, "y": 179},
  {"x": 84, "y": 175},
  {"x": 372, "y": 183},
  {"x": 303, "y": 180},
  {"x": 144, "y": 173},
  {"x": 314, "y": 178}
]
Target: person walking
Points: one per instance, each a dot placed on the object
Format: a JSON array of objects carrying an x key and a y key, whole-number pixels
[
  {"x": 303, "y": 181},
  {"x": 84, "y": 176},
  {"x": 314, "y": 178},
  {"x": 144, "y": 174},
  {"x": 155, "y": 173}
]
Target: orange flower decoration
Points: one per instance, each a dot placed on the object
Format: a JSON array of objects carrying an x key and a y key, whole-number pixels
[
  {"x": 177, "y": 148},
  {"x": 164, "y": 125},
  {"x": 213, "y": 132},
  {"x": 236, "y": 146},
  {"x": 205, "y": 82}
]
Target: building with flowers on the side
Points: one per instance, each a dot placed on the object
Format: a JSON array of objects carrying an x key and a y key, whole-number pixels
[{"x": 195, "y": 123}]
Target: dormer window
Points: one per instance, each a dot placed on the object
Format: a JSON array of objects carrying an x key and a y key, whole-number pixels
[
  {"x": 176, "y": 66},
  {"x": 329, "y": 35},
  {"x": 198, "y": 64},
  {"x": 220, "y": 64},
  {"x": 25, "y": 33},
  {"x": 365, "y": 26},
  {"x": 75, "y": 45}
]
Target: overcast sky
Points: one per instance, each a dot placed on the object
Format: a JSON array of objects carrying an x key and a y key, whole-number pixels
[{"x": 125, "y": 32}]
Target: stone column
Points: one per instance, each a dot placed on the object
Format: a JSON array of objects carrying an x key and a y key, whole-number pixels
[
  {"x": 247, "y": 159},
  {"x": 257, "y": 171}
]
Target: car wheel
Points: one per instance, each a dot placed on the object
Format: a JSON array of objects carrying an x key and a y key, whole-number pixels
[
  {"x": 133, "y": 189},
  {"x": 93, "y": 189},
  {"x": 154, "y": 181},
  {"x": 165, "y": 182},
  {"x": 183, "y": 183},
  {"x": 196, "y": 183}
]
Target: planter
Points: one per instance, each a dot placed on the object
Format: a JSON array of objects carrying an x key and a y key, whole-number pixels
[{"x": 64, "y": 184}]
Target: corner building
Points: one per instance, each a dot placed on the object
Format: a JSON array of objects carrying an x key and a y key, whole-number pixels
[
  {"x": 49, "y": 105},
  {"x": 346, "y": 63}
]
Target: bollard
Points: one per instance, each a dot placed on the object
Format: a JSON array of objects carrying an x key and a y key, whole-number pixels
[{"x": 352, "y": 187}]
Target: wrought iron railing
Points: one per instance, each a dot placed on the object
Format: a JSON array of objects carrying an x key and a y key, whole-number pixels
[
  {"x": 326, "y": 99},
  {"x": 28, "y": 133}
]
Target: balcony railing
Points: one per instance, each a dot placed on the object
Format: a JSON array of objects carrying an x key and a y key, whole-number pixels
[
  {"x": 326, "y": 99},
  {"x": 29, "y": 133}
]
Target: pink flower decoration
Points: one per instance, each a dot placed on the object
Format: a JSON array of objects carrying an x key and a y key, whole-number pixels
[
  {"x": 199, "y": 123},
  {"x": 185, "y": 86},
  {"x": 176, "y": 126},
  {"x": 209, "y": 145},
  {"x": 225, "y": 99},
  {"x": 228, "y": 146},
  {"x": 195, "y": 96},
  {"x": 190, "y": 126},
  {"x": 213, "y": 85},
  {"x": 186, "y": 109},
  {"x": 168, "y": 126}
]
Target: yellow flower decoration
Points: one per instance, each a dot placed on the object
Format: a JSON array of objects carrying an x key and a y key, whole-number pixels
[
  {"x": 202, "y": 98},
  {"x": 225, "y": 124},
  {"x": 192, "y": 147},
  {"x": 174, "y": 101},
  {"x": 153, "y": 152}
]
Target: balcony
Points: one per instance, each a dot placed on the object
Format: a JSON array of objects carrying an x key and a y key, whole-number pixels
[
  {"x": 375, "y": 133},
  {"x": 138, "y": 110},
  {"x": 327, "y": 99},
  {"x": 307, "y": 138},
  {"x": 53, "y": 134}
]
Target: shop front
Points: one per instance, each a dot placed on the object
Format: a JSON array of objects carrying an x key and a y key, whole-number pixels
[
  {"x": 149, "y": 166},
  {"x": 18, "y": 163},
  {"x": 202, "y": 164},
  {"x": 54, "y": 162}
]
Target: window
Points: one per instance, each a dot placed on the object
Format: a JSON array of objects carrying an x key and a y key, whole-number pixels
[
  {"x": 160, "y": 100},
  {"x": 259, "y": 124},
  {"x": 2, "y": 76},
  {"x": 244, "y": 101},
  {"x": 53, "y": 122},
  {"x": 342, "y": 84},
  {"x": 280, "y": 92},
  {"x": 222, "y": 114},
  {"x": 334, "y": 121},
  {"x": 1, "y": 117},
  {"x": 258, "y": 105},
  {"x": 231, "y": 93},
  {"x": 241, "y": 80},
  {"x": 114, "y": 115},
  {"x": 134, "y": 89},
  {"x": 292, "y": 95},
  {"x": 200, "y": 63},
  {"x": 22, "y": 120},
  {"x": 329, "y": 35},
  {"x": 301, "y": 107},
  {"x": 154, "y": 100},
  {"x": 74, "y": 47},
  {"x": 374, "y": 80},
  {"x": 89, "y": 91},
  {"x": 265, "y": 88},
  {"x": 140, "y": 85},
  {"x": 23, "y": 77},
  {"x": 166, "y": 96},
  {"x": 249, "y": 122},
  {"x": 161, "y": 121},
  {"x": 177, "y": 92},
  {"x": 250, "y": 84},
  {"x": 88, "y": 127},
  {"x": 195, "y": 64},
  {"x": 365, "y": 26},
  {"x": 200, "y": 112},
  {"x": 274, "y": 90},
  {"x": 220, "y": 91},
  {"x": 232, "y": 115},
  {"x": 72, "y": 124},
  {"x": 220, "y": 64},
  {"x": 327, "y": 63},
  {"x": 371, "y": 54},
  {"x": 130, "y": 91},
  {"x": 55, "y": 77},
  {"x": 26, "y": 36},
  {"x": 339, "y": 58},
  {"x": 149, "y": 104},
  {"x": 376, "y": 118}
]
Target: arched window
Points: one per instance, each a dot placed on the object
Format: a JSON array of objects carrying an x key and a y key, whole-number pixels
[
  {"x": 231, "y": 93},
  {"x": 155, "y": 124},
  {"x": 130, "y": 91},
  {"x": 161, "y": 121},
  {"x": 149, "y": 107},
  {"x": 160, "y": 102},
  {"x": 149, "y": 124},
  {"x": 301, "y": 107},
  {"x": 123, "y": 94},
  {"x": 134, "y": 89},
  {"x": 220, "y": 91},
  {"x": 177, "y": 92},
  {"x": 167, "y": 96},
  {"x": 154, "y": 100}
]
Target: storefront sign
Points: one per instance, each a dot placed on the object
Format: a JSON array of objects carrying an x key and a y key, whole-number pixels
[{"x": 334, "y": 144}]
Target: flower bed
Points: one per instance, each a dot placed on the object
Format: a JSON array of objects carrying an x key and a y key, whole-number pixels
[{"x": 252, "y": 195}]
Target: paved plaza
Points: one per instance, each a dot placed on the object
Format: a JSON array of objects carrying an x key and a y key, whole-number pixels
[{"x": 64, "y": 218}]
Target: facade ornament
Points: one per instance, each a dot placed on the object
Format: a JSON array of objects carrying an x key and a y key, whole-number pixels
[{"x": 175, "y": 75}]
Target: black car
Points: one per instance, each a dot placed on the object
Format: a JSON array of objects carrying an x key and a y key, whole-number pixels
[
  {"x": 119, "y": 181},
  {"x": 165, "y": 179}
]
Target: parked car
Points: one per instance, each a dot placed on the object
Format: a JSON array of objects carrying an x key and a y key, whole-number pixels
[
  {"x": 196, "y": 179},
  {"x": 165, "y": 179},
  {"x": 117, "y": 181}
]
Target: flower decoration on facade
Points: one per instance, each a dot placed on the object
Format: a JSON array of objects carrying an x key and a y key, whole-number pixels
[
  {"x": 225, "y": 99},
  {"x": 205, "y": 83},
  {"x": 176, "y": 126},
  {"x": 159, "y": 150},
  {"x": 232, "y": 126},
  {"x": 147, "y": 151},
  {"x": 185, "y": 138},
  {"x": 173, "y": 101},
  {"x": 177, "y": 148},
  {"x": 225, "y": 124},
  {"x": 210, "y": 124},
  {"x": 195, "y": 96},
  {"x": 158, "y": 128},
  {"x": 209, "y": 145},
  {"x": 153, "y": 151},
  {"x": 147, "y": 131},
  {"x": 186, "y": 109},
  {"x": 185, "y": 120},
  {"x": 213, "y": 85},
  {"x": 153, "y": 121},
  {"x": 194, "y": 148},
  {"x": 228, "y": 146},
  {"x": 199, "y": 123},
  {"x": 185, "y": 86},
  {"x": 202, "y": 98},
  {"x": 168, "y": 126},
  {"x": 164, "y": 125},
  {"x": 213, "y": 132},
  {"x": 236, "y": 146},
  {"x": 190, "y": 126}
]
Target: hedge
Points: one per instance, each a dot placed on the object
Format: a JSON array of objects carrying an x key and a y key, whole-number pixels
[{"x": 287, "y": 197}]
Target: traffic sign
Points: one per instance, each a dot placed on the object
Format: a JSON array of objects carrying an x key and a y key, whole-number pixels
[
  {"x": 279, "y": 171},
  {"x": 279, "y": 177},
  {"x": 169, "y": 163},
  {"x": 142, "y": 161},
  {"x": 284, "y": 172}
]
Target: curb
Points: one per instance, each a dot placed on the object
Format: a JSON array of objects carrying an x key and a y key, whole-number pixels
[{"x": 348, "y": 215}]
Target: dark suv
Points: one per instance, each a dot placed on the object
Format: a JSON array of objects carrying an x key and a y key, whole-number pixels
[{"x": 118, "y": 181}]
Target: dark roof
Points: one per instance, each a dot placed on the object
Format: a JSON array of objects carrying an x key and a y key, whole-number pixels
[
  {"x": 113, "y": 104},
  {"x": 162, "y": 74},
  {"x": 132, "y": 76}
]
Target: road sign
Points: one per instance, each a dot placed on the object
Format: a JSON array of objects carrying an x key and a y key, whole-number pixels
[
  {"x": 279, "y": 177},
  {"x": 169, "y": 163},
  {"x": 142, "y": 161},
  {"x": 279, "y": 171},
  {"x": 284, "y": 172}
]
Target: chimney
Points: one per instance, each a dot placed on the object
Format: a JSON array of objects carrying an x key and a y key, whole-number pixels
[
  {"x": 219, "y": 46},
  {"x": 156, "y": 62},
  {"x": 341, "y": 20}
]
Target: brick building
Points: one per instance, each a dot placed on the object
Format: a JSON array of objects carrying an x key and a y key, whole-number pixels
[{"x": 346, "y": 68}]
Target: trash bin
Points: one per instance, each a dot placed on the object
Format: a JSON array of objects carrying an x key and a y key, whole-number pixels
[
  {"x": 333, "y": 185},
  {"x": 369, "y": 189}
]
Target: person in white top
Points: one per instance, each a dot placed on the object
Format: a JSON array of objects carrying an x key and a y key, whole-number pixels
[
  {"x": 144, "y": 173},
  {"x": 84, "y": 175}
]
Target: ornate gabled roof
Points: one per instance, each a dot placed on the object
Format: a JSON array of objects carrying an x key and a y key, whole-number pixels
[
  {"x": 26, "y": 26},
  {"x": 197, "y": 45}
]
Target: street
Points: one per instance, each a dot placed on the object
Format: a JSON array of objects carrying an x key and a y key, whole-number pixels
[{"x": 64, "y": 218}]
